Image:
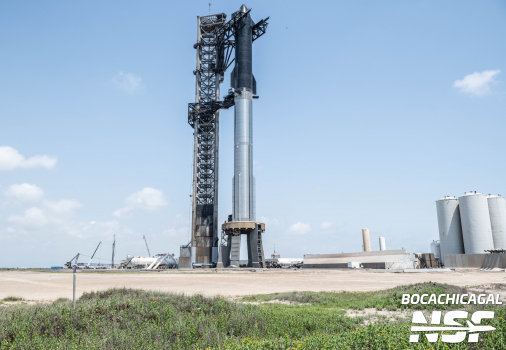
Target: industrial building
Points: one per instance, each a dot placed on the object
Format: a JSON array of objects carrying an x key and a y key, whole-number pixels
[
  {"x": 385, "y": 260},
  {"x": 389, "y": 260},
  {"x": 472, "y": 231}
]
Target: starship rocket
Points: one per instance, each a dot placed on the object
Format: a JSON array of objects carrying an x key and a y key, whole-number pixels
[{"x": 244, "y": 85}]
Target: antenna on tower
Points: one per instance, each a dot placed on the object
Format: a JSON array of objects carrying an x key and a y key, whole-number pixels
[{"x": 210, "y": 8}]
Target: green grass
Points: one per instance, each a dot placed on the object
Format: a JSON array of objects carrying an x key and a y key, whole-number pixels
[
  {"x": 381, "y": 300},
  {"x": 134, "y": 319}
]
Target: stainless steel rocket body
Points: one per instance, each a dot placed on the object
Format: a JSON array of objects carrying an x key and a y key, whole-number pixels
[
  {"x": 243, "y": 157},
  {"x": 244, "y": 84}
]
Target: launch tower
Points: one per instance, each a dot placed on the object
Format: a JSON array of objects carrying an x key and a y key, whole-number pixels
[{"x": 216, "y": 40}]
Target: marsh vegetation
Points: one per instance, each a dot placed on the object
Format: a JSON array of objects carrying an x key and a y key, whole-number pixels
[{"x": 136, "y": 319}]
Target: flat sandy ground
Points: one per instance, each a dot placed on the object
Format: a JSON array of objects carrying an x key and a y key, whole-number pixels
[{"x": 41, "y": 285}]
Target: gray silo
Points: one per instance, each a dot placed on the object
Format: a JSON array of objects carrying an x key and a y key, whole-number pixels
[
  {"x": 450, "y": 230},
  {"x": 475, "y": 219},
  {"x": 497, "y": 211}
]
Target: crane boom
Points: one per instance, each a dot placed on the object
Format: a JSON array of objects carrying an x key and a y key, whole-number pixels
[
  {"x": 94, "y": 253},
  {"x": 149, "y": 254}
]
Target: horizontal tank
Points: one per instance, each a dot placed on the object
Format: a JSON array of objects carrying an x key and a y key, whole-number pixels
[
  {"x": 475, "y": 219},
  {"x": 450, "y": 229},
  {"x": 142, "y": 262},
  {"x": 497, "y": 212}
]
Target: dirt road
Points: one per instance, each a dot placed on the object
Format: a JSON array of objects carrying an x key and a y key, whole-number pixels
[{"x": 35, "y": 285}]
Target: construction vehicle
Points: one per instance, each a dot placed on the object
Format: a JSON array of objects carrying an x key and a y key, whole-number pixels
[{"x": 69, "y": 263}]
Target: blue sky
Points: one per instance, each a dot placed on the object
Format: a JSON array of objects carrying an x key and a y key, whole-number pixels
[{"x": 368, "y": 113}]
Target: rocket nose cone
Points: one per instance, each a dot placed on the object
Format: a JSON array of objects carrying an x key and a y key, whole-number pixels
[{"x": 243, "y": 8}]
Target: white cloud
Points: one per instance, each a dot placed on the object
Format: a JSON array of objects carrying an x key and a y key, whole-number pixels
[
  {"x": 92, "y": 229},
  {"x": 33, "y": 218},
  {"x": 149, "y": 199},
  {"x": 24, "y": 192},
  {"x": 180, "y": 219},
  {"x": 477, "y": 83},
  {"x": 182, "y": 233},
  {"x": 327, "y": 225},
  {"x": 271, "y": 222},
  {"x": 98, "y": 229},
  {"x": 9, "y": 233},
  {"x": 63, "y": 206},
  {"x": 128, "y": 82},
  {"x": 10, "y": 159},
  {"x": 299, "y": 228}
]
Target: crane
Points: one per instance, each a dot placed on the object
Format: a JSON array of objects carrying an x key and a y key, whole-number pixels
[
  {"x": 149, "y": 254},
  {"x": 93, "y": 254},
  {"x": 69, "y": 264}
]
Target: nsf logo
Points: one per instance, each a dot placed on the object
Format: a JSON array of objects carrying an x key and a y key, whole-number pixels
[{"x": 474, "y": 327}]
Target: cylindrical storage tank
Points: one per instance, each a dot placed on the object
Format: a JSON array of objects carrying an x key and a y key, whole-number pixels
[
  {"x": 142, "y": 263},
  {"x": 497, "y": 211},
  {"x": 435, "y": 249},
  {"x": 367, "y": 240},
  {"x": 382, "y": 243},
  {"x": 475, "y": 219},
  {"x": 450, "y": 229}
]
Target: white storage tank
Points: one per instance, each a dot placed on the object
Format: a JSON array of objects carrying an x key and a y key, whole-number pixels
[
  {"x": 475, "y": 219},
  {"x": 435, "y": 249},
  {"x": 366, "y": 239},
  {"x": 383, "y": 246},
  {"x": 450, "y": 229},
  {"x": 143, "y": 263},
  {"x": 497, "y": 211}
]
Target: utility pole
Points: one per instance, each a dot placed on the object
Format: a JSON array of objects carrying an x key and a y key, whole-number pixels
[
  {"x": 74, "y": 294},
  {"x": 113, "y": 249}
]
